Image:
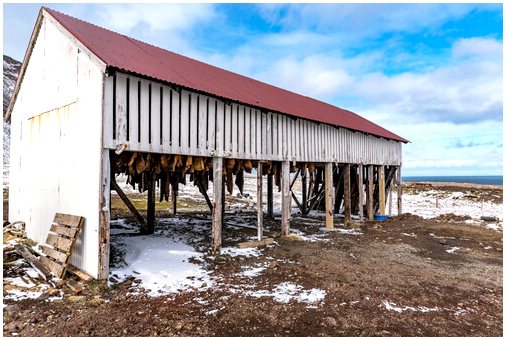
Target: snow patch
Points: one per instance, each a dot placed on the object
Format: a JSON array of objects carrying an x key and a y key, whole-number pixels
[
  {"x": 452, "y": 250},
  {"x": 286, "y": 291}
]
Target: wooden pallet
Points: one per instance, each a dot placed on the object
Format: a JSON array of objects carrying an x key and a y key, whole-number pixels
[{"x": 60, "y": 243}]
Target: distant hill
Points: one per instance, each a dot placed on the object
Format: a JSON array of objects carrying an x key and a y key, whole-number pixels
[{"x": 11, "y": 71}]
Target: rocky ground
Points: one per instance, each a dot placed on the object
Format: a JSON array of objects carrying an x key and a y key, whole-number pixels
[{"x": 407, "y": 276}]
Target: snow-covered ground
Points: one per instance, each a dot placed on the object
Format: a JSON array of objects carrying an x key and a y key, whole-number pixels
[{"x": 433, "y": 203}]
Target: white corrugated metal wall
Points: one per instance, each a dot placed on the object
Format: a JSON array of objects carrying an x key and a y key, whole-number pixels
[
  {"x": 56, "y": 142},
  {"x": 153, "y": 117}
]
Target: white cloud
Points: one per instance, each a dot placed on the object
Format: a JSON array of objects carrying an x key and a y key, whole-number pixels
[
  {"x": 365, "y": 19},
  {"x": 171, "y": 17}
]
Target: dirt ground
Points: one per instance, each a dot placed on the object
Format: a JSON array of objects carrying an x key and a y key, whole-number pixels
[{"x": 400, "y": 277}]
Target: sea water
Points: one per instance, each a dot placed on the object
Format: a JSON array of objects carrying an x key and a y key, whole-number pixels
[{"x": 495, "y": 180}]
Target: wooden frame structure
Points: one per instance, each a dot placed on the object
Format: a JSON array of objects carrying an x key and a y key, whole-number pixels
[{"x": 165, "y": 132}]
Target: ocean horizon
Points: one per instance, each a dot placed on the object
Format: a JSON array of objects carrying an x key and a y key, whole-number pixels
[{"x": 491, "y": 180}]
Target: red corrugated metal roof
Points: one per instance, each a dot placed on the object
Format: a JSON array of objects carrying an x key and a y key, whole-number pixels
[{"x": 124, "y": 53}]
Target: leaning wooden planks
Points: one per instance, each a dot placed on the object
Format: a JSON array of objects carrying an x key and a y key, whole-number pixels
[{"x": 60, "y": 243}]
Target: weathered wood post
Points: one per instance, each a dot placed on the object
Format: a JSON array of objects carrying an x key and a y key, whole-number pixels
[
  {"x": 381, "y": 183},
  {"x": 399, "y": 191},
  {"x": 270, "y": 207},
  {"x": 260, "y": 211},
  {"x": 370, "y": 192},
  {"x": 285, "y": 198},
  {"x": 175, "y": 188},
  {"x": 329, "y": 202},
  {"x": 347, "y": 194},
  {"x": 150, "y": 220},
  {"x": 361, "y": 191},
  {"x": 217, "y": 202},
  {"x": 304, "y": 191}
]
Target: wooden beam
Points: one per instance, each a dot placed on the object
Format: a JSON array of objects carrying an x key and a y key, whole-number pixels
[
  {"x": 32, "y": 260},
  {"x": 381, "y": 184},
  {"x": 399, "y": 191},
  {"x": 361, "y": 191},
  {"x": 285, "y": 198},
  {"x": 175, "y": 189},
  {"x": 127, "y": 202},
  {"x": 200, "y": 185},
  {"x": 329, "y": 204},
  {"x": 150, "y": 219},
  {"x": 260, "y": 210},
  {"x": 217, "y": 202},
  {"x": 347, "y": 194},
  {"x": 304, "y": 192},
  {"x": 370, "y": 192},
  {"x": 270, "y": 203}
]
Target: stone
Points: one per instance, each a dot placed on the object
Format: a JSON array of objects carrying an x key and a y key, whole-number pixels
[{"x": 330, "y": 321}]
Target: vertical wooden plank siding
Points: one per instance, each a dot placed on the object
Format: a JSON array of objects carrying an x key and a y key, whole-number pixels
[
  {"x": 133, "y": 113},
  {"x": 108, "y": 108},
  {"x": 121, "y": 106},
  {"x": 184, "y": 122},
  {"x": 184, "y": 131},
  {"x": 247, "y": 132},
  {"x": 155, "y": 118},
  {"x": 175, "y": 126},
  {"x": 240, "y": 132},
  {"x": 166, "y": 120},
  {"x": 193, "y": 124},
  {"x": 220, "y": 127},
  {"x": 144, "y": 107},
  {"x": 227, "y": 132},
  {"x": 234, "y": 146},
  {"x": 211, "y": 127},
  {"x": 258, "y": 117},
  {"x": 266, "y": 122}
]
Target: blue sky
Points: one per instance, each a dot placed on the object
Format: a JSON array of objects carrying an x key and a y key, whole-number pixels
[{"x": 431, "y": 73}]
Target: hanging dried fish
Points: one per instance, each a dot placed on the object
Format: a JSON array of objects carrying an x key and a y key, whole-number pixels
[
  {"x": 140, "y": 164},
  {"x": 230, "y": 182},
  {"x": 247, "y": 166},
  {"x": 199, "y": 164},
  {"x": 311, "y": 167},
  {"x": 239, "y": 180},
  {"x": 164, "y": 162}
]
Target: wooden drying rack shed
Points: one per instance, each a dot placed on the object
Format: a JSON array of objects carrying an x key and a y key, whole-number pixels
[{"x": 91, "y": 103}]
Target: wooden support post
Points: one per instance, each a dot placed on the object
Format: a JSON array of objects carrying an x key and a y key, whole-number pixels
[
  {"x": 217, "y": 202},
  {"x": 347, "y": 194},
  {"x": 370, "y": 192},
  {"x": 175, "y": 189},
  {"x": 270, "y": 207},
  {"x": 390, "y": 200},
  {"x": 260, "y": 210},
  {"x": 130, "y": 206},
  {"x": 150, "y": 220},
  {"x": 361, "y": 191},
  {"x": 304, "y": 193},
  {"x": 329, "y": 201},
  {"x": 381, "y": 185},
  {"x": 399, "y": 191},
  {"x": 285, "y": 198}
]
